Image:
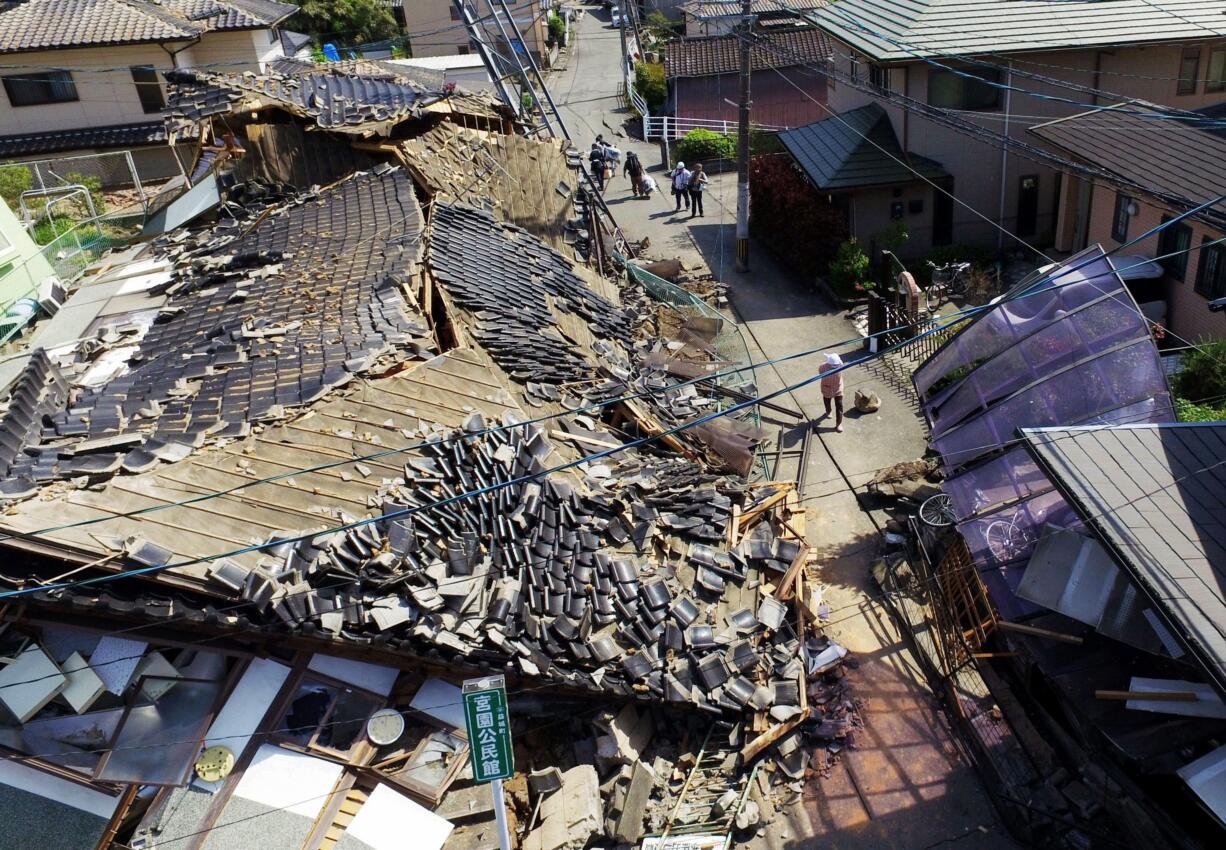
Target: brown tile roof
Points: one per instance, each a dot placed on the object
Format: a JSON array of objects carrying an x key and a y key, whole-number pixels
[
  {"x": 702, "y": 57},
  {"x": 48, "y": 24}
]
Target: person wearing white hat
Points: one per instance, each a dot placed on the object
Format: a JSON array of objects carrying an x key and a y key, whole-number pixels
[
  {"x": 832, "y": 389},
  {"x": 681, "y": 185}
]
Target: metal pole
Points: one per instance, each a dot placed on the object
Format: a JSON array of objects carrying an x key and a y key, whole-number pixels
[
  {"x": 1004, "y": 159},
  {"x": 621, "y": 27},
  {"x": 745, "y": 28},
  {"x": 500, "y": 814}
]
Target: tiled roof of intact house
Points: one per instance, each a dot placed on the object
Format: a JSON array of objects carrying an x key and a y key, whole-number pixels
[
  {"x": 762, "y": 9},
  {"x": 888, "y": 30},
  {"x": 231, "y": 14},
  {"x": 115, "y": 136},
  {"x": 49, "y": 24},
  {"x": 854, "y": 149},
  {"x": 1177, "y": 162},
  {"x": 702, "y": 57},
  {"x": 1156, "y": 496}
]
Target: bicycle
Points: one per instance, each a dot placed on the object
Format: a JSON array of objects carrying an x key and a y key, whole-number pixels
[
  {"x": 1008, "y": 540},
  {"x": 948, "y": 281},
  {"x": 938, "y": 511}
]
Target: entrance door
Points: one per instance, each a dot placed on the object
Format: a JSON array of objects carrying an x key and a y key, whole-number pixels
[
  {"x": 1027, "y": 204},
  {"x": 943, "y": 213}
]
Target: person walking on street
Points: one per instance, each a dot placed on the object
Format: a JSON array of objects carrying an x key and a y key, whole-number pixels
[
  {"x": 596, "y": 161},
  {"x": 832, "y": 389},
  {"x": 634, "y": 170},
  {"x": 681, "y": 185},
  {"x": 697, "y": 185}
]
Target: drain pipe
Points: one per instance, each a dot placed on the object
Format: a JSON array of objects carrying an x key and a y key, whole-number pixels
[{"x": 1004, "y": 160}]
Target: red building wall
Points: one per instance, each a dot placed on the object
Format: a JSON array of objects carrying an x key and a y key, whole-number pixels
[{"x": 776, "y": 100}]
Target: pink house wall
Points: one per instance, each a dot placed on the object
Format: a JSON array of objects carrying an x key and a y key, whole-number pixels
[
  {"x": 1188, "y": 315},
  {"x": 776, "y": 100}
]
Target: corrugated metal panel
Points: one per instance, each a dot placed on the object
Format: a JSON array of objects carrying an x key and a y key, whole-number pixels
[{"x": 1156, "y": 494}]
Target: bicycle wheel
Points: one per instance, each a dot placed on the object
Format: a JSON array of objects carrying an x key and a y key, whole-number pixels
[
  {"x": 958, "y": 286},
  {"x": 999, "y": 537},
  {"x": 938, "y": 511}
]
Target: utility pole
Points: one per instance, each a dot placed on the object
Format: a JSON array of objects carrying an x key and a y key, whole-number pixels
[
  {"x": 745, "y": 30},
  {"x": 621, "y": 26}
]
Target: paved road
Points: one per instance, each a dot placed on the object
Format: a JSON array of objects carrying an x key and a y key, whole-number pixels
[{"x": 905, "y": 785}]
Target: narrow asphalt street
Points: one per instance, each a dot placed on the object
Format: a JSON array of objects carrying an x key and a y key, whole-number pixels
[{"x": 905, "y": 784}]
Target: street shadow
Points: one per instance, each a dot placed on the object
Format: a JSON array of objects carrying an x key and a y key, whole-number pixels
[{"x": 768, "y": 291}]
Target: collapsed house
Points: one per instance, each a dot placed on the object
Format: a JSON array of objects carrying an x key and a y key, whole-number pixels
[
  {"x": 1066, "y": 604},
  {"x": 375, "y": 422}
]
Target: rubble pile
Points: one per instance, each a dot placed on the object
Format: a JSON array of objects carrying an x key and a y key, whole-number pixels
[
  {"x": 253, "y": 327},
  {"x": 613, "y": 581}
]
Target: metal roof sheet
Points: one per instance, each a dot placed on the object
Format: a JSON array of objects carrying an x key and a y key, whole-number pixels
[
  {"x": 1175, "y": 161},
  {"x": 1156, "y": 496},
  {"x": 857, "y": 148},
  {"x": 910, "y": 29}
]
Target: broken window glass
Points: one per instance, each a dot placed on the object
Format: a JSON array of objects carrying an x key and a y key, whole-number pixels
[
  {"x": 158, "y": 740},
  {"x": 327, "y": 716}
]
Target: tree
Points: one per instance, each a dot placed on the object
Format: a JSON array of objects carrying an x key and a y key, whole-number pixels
[
  {"x": 650, "y": 84},
  {"x": 345, "y": 21}
]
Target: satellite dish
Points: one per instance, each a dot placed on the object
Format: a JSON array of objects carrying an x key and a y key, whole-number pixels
[
  {"x": 215, "y": 764},
  {"x": 385, "y": 726}
]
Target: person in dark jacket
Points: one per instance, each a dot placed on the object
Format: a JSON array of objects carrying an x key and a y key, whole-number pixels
[
  {"x": 634, "y": 170},
  {"x": 596, "y": 161},
  {"x": 698, "y": 185}
]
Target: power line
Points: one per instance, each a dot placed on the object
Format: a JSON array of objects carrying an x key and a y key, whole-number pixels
[{"x": 1032, "y": 290}]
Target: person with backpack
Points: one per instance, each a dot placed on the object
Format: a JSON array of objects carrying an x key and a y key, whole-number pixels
[
  {"x": 634, "y": 170},
  {"x": 697, "y": 185},
  {"x": 681, "y": 185},
  {"x": 596, "y": 159}
]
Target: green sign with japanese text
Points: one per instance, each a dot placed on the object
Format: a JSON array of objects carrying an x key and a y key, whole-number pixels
[{"x": 489, "y": 728}]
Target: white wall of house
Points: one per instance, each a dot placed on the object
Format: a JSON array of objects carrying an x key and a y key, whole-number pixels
[
  {"x": 977, "y": 165},
  {"x": 435, "y": 29},
  {"x": 106, "y": 92}
]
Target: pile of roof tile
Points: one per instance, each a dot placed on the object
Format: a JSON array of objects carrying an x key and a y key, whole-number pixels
[
  {"x": 484, "y": 554},
  {"x": 332, "y": 99},
  {"x": 264, "y": 315}
]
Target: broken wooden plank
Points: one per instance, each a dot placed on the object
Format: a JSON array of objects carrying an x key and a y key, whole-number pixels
[
  {"x": 789, "y": 578},
  {"x": 1156, "y": 696},
  {"x": 1035, "y": 631},
  {"x": 754, "y": 748},
  {"x": 755, "y": 513}
]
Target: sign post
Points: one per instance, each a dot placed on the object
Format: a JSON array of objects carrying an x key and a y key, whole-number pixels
[{"x": 489, "y": 741}]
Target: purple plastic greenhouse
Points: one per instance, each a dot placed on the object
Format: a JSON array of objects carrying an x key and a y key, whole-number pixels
[{"x": 1066, "y": 347}]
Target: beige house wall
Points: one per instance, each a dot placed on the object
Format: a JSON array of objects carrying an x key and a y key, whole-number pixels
[
  {"x": 435, "y": 28},
  {"x": 981, "y": 174},
  {"x": 106, "y": 92},
  {"x": 1188, "y": 314}
]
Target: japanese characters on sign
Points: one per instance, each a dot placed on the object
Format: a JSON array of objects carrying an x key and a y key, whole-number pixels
[{"x": 489, "y": 728}]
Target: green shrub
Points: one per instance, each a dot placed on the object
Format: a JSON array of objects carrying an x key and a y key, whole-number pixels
[
  {"x": 660, "y": 27},
  {"x": 650, "y": 84},
  {"x": 849, "y": 270},
  {"x": 557, "y": 28},
  {"x": 704, "y": 146},
  {"x": 1202, "y": 374},
  {"x": 94, "y": 185},
  {"x": 1186, "y": 411},
  {"x": 46, "y": 231},
  {"x": 764, "y": 142},
  {"x": 14, "y": 179}
]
